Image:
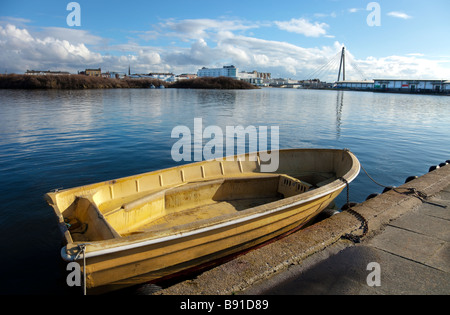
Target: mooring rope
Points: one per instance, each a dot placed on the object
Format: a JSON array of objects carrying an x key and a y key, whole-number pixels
[
  {"x": 364, "y": 223},
  {"x": 411, "y": 191},
  {"x": 373, "y": 180}
]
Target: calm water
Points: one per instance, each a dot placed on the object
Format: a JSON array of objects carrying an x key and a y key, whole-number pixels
[{"x": 54, "y": 139}]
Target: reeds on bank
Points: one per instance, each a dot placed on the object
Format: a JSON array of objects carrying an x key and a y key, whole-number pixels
[
  {"x": 77, "y": 82},
  {"x": 222, "y": 83},
  {"x": 72, "y": 82}
]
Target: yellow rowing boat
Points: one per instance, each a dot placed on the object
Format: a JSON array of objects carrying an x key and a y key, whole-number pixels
[{"x": 150, "y": 226}]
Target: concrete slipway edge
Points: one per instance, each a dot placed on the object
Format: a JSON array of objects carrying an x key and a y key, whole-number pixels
[{"x": 261, "y": 264}]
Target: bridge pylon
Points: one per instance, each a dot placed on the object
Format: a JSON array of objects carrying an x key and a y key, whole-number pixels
[{"x": 342, "y": 66}]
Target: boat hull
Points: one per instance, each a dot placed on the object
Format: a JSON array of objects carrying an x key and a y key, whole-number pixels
[
  {"x": 156, "y": 261},
  {"x": 120, "y": 262}
]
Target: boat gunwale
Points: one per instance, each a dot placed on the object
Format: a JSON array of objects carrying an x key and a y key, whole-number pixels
[{"x": 141, "y": 240}]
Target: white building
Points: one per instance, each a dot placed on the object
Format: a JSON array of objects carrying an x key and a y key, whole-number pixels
[
  {"x": 251, "y": 77},
  {"x": 355, "y": 85},
  {"x": 226, "y": 71},
  {"x": 168, "y": 77},
  {"x": 447, "y": 87},
  {"x": 436, "y": 86},
  {"x": 117, "y": 75},
  {"x": 185, "y": 76}
]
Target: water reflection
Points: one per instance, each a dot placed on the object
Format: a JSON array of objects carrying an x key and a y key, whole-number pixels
[
  {"x": 339, "y": 108},
  {"x": 52, "y": 139}
]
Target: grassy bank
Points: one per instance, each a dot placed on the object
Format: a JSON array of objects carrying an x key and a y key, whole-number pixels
[
  {"x": 76, "y": 82},
  {"x": 221, "y": 83},
  {"x": 72, "y": 82}
]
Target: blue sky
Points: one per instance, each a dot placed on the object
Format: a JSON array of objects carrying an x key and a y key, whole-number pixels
[{"x": 287, "y": 38}]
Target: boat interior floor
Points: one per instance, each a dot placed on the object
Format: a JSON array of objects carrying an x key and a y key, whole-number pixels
[
  {"x": 207, "y": 211},
  {"x": 212, "y": 199}
]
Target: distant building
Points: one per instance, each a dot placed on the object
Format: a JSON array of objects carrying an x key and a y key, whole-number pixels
[
  {"x": 251, "y": 77},
  {"x": 226, "y": 71},
  {"x": 414, "y": 86},
  {"x": 255, "y": 77},
  {"x": 93, "y": 72},
  {"x": 115, "y": 75},
  {"x": 284, "y": 81},
  {"x": 264, "y": 75},
  {"x": 398, "y": 85},
  {"x": 139, "y": 76},
  {"x": 34, "y": 72},
  {"x": 167, "y": 77},
  {"x": 355, "y": 85},
  {"x": 185, "y": 76},
  {"x": 447, "y": 87}
]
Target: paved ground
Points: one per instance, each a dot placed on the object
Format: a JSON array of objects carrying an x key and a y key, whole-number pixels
[
  {"x": 407, "y": 239},
  {"x": 412, "y": 253}
]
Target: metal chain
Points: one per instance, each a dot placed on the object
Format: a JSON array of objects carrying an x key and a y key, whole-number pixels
[
  {"x": 364, "y": 223},
  {"x": 364, "y": 226}
]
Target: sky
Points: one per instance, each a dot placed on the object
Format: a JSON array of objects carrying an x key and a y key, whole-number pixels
[{"x": 403, "y": 39}]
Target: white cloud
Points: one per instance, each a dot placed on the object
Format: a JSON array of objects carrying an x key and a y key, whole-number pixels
[
  {"x": 199, "y": 54},
  {"x": 149, "y": 57},
  {"x": 261, "y": 59},
  {"x": 399, "y": 15},
  {"x": 4, "y": 20},
  {"x": 206, "y": 42},
  {"x": 325, "y": 15},
  {"x": 67, "y": 50},
  {"x": 74, "y": 50},
  {"x": 22, "y": 50},
  {"x": 74, "y": 36},
  {"x": 201, "y": 28},
  {"x": 303, "y": 26},
  {"x": 412, "y": 66},
  {"x": 354, "y": 10}
]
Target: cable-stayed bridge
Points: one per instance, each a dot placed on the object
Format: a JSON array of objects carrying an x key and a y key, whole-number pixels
[{"x": 339, "y": 64}]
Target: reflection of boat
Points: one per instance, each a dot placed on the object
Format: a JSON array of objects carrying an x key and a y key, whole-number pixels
[{"x": 149, "y": 226}]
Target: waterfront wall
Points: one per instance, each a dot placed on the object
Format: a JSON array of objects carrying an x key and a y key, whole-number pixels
[
  {"x": 260, "y": 265},
  {"x": 436, "y": 87}
]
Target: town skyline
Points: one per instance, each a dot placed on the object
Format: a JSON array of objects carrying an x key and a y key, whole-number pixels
[{"x": 384, "y": 39}]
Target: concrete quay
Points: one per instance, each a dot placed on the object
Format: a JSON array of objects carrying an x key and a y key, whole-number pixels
[{"x": 408, "y": 239}]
